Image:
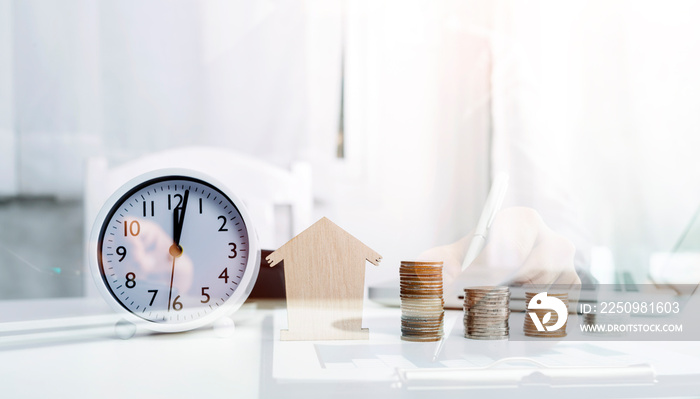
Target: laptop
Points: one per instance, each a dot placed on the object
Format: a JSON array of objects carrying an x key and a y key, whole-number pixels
[{"x": 674, "y": 273}]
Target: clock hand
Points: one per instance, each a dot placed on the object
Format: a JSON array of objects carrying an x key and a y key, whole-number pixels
[
  {"x": 175, "y": 223},
  {"x": 172, "y": 274},
  {"x": 176, "y": 249},
  {"x": 178, "y": 221}
]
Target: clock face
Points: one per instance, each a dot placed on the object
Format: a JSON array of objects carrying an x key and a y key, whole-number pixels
[{"x": 175, "y": 250}]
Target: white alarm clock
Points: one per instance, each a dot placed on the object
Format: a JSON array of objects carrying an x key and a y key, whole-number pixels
[{"x": 174, "y": 250}]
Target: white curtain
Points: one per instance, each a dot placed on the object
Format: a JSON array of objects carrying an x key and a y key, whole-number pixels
[
  {"x": 420, "y": 104},
  {"x": 452, "y": 97},
  {"x": 633, "y": 100},
  {"x": 591, "y": 106},
  {"x": 8, "y": 166},
  {"x": 607, "y": 109},
  {"x": 124, "y": 78}
]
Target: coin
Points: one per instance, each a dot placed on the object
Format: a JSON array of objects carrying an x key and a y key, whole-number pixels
[
  {"x": 437, "y": 328},
  {"x": 486, "y": 312},
  {"x": 487, "y": 337},
  {"x": 422, "y": 304},
  {"x": 420, "y": 339},
  {"x": 498, "y": 290},
  {"x": 543, "y": 335},
  {"x": 423, "y": 309},
  {"x": 529, "y": 328},
  {"x": 435, "y": 265},
  {"x": 482, "y": 324},
  {"x": 487, "y": 300},
  {"x": 487, "y": 331},
  {"x": 501, "y": 314},
  {"x": 420, "y": 281}
]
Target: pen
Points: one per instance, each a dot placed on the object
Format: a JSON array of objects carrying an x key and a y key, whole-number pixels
[
  {"x": 447, "y": 333},
  {"x": 493, "y": 203}
]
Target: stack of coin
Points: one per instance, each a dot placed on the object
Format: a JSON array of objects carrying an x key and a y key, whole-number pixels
[
  {"x": 422, "y": 305},
  {"x": 529, "y": 327},
  {"x": 486, "y": 312}
]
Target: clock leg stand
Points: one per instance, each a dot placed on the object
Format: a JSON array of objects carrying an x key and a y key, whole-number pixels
[
  {"x": 224, "y": 327},
  {"x": 124, "y": 329}
]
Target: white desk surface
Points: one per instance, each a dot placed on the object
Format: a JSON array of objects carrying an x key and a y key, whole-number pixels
[{"x": 67, "y": 348}]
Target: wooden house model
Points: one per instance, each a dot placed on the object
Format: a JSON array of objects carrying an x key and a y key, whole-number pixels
[{"x": 324, "y": 272}]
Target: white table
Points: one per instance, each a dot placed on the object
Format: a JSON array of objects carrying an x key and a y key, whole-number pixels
[{"x": 68, "y": 348}]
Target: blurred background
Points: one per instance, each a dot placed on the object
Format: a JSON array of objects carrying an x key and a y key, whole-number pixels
[{"x": 403, "y": 110}]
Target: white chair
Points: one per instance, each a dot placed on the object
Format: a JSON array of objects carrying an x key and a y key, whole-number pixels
[{"x": 279, "y": 201}]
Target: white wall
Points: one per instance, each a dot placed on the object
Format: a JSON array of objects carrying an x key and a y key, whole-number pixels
[
  {"x": 123, "y": 79},
  {"x": 634, "y": 95},
  {"x": 593, "y": 104},
  {"x": 417, "y": 114},
  {"x": 8, "y": 146},
  {"x": 57, "y": 93}
]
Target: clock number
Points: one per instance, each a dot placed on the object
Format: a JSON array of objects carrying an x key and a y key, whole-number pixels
[
  {"x": 233, "y": 249},
  {"x": 153, "y": 210},
  {"x": 177, "y": 305},
  {"x": 204, "y": 293},
  {"x": 179, "y": 202},
  {"x": 130, "y": 280},
  {"x": 224, "y": 275},
  {"x": 121, "y": 251},
  {"x": 134, "y": 228},
  {"x": 200, "y": 206},
  {"x": 223, "y": 228},
  {"x": 154, "y": 292}
]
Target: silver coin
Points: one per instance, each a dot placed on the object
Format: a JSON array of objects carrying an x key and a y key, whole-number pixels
[
  {"x": 487, "y": 338},
  {"x": 420, "y": 292},
  {"x": 486, "y": 298},
  {"x": 486, "y": 323},
  {"x": 480, "y": 293},
  {"x": 421, "y": 339},
  {"x": 487, "y": 288},
  {"x": 422, "y": 305},
  {"x": 470, "y": 300},
  {"x": 487, "y": 306},
  {"x": 422, "y": 323},
  {"x": 487, "y": 311},
  {"x": 545, "y": 336},
  {"x": 423, "y": 312},
  {"x": 422, "y": 302},
  {"x": 422, "y": 309},
  {"x": 485, "y": 317},
  {"x": 423, "y": 315},
  {"x": 488, "y": 301},
  {"x": 483, "y": 323},
  {"x": 421, "y": 331},
  {"x": 486, "y": 333}
]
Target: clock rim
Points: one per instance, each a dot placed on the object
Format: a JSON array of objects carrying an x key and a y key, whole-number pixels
[{"x": 230, "y": 305}]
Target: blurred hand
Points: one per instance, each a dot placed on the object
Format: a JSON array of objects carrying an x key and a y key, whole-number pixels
[
  {"x": 521, "y": 249},
  {"x": 153, "y": 260}
]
